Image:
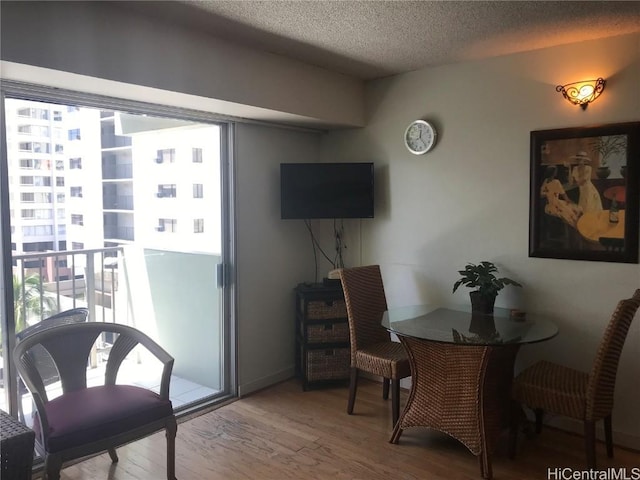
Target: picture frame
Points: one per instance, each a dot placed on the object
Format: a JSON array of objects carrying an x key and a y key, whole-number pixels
[{"x": 584, "y": 193}]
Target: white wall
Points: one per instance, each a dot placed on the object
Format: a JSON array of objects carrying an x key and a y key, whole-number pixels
[
  {"x": 468, "y": 199},
  {"x": 108, "y": 41},
  {"x": 273, "y": 255}
]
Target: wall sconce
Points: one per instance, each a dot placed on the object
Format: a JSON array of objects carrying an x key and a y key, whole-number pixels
[{"x": 582, "y": 93}]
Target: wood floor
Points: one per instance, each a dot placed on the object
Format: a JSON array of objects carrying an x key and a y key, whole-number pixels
[{"x": 284, "y": 433}]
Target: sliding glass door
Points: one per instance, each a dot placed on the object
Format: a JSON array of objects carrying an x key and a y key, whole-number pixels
[{"x": 123, "y": 209}]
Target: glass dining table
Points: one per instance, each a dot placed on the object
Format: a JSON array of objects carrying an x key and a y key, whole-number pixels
[{"x": 462, "y": 369}]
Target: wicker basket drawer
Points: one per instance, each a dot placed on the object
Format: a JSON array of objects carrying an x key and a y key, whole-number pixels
[
  {"x": 328, "y": 333},
  {"x": 323, "y": 310},
  {"x": 328, "y": 364}
]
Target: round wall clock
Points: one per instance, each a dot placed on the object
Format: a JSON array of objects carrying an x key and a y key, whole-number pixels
[{"x": 420, "y": 137}]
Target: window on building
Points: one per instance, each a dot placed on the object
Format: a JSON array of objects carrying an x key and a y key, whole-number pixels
[
  {"x": 42, "y": 197},
  {"x": 37, "y": 246},
  {"x": 197, "y": 190},
  {"x": 27, "y": 197},
  {"x": 60, "y": 214},
  {"x": 167, "y": 225},
  {"x": 167, "y": 155},
  {"x": 26, "y": 180},
  {"x": 59, "y": 164},
  {"x": 196, "y": 155},
  {"x": 74, "y": 134},
  {"x": 60, "y": 181},
  {"x": 39, "y": 113},
  {"x": 36, "y": 147},
  {"x": 44, "y": 213},
  {"x": 75, "y": 163},
  {"x": 73, "y": 108},
  {"x": 37, "y": 230},
  {"x": 77, "y": 245},
  {"x": 167, "y": 190},
  {"x": 59, "y": 148},
  {"x": 77, "y": 219},
  {"x": 60, "y": 197},
  {"x": 57, "y": 115},
  {"x": 198, "y": 225},
  {"x": 40, "y": 130},
  {"x": 76, "y": 192},
  {"x": 28, "y": 213},
  {"x": 40, "y": 181},
  {"x": 27, "y": 163}
]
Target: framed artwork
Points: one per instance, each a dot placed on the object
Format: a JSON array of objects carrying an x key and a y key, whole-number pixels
[{"x": 584, "y": 197}]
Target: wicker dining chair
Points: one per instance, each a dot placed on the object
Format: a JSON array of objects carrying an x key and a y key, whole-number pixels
[
  {"x": 549, "y": 387},
  {"x": 372, "y": 349},
  {"x": 85, "y": 420}
]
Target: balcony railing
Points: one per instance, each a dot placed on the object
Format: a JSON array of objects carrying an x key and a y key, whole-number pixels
[
  {"x": 118, "y": 233},
  {"x": 117, "y": 172},
  {"x": 117, "y": 202},
  {"x": 47, "y": 283},
  {"x": 128, "y": 285}
]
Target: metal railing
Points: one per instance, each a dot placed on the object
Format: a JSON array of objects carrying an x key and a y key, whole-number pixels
[{"x": 47, "y": 283}]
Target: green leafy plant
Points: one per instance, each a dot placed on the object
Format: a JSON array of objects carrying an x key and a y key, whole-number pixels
[
  {"x": 482, "y": 279},
  {"x": 30, "y": 298}
]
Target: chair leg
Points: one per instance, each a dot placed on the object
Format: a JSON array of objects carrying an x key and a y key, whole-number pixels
[
  {"x": 395, "y": 399},
  {"x": 52, "y": 467},
  {"x": 514, "y": 424},
  {"x": 608, "y": 435},
  {"x": 171, "y": 430},
  {"x": 353, "y": 386},
  {"x": 113, "y": 455},
  {"x": 590, "y": 443},
  {"x": 385, "y": 388},
  {"x": 539, "y": 414}
]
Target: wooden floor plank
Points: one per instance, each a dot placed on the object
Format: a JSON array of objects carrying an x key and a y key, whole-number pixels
[{"x": 283, "y": 433}]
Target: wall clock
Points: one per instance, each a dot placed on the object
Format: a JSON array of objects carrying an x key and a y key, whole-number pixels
[{"x": 420, "y": 137}]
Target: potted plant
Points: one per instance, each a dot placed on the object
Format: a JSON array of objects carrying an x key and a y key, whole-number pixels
[
  {"x": 608, "y": 146},
  {"x": 486, "y": 285}
]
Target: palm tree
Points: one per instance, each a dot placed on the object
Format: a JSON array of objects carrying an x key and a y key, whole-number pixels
[{"x": 30, "y": 298}]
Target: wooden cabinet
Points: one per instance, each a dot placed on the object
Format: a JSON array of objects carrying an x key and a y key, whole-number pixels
[{"x": 322, "y": 334}]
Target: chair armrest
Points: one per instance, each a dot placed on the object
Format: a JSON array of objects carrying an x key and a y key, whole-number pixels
[
  {"x": 130, "y": 337},
  {"x": 164, "y": 357}
]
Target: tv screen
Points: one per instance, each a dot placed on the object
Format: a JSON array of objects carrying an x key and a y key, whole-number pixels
[{"x": 326, "y": 190}]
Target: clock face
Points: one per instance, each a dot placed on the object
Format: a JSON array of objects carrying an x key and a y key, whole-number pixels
[{"x": 420, "y": 137}]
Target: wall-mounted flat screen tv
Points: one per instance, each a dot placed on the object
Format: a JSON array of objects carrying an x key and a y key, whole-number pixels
[{"x": 326, "y": 190}]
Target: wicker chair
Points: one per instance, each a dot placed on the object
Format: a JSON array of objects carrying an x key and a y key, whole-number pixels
[
  {"x": 87, "y": 420},
  {"x": 40, "y": 357},
  {"x": 546, "y": 386},
  {"x": 372, "y": 350}
]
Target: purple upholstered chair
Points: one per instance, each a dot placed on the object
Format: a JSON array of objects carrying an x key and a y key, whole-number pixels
[{"x": 87, "y": 420}]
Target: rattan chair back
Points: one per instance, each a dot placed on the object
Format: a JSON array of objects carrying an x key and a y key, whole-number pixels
[
  {"x": 366, "y": 303},
  {"x": 602, "y": 378}
]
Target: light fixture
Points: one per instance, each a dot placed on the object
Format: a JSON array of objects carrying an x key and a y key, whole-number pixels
[{"x": 583, "y": 92}]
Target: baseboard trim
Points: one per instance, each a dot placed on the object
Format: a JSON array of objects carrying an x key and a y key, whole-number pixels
[
  {"x": 621, "y": 439},
  {"x": 264, "y": 382}
]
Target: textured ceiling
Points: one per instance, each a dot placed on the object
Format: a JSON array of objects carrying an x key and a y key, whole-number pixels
[{"x": 372, "y": 39}]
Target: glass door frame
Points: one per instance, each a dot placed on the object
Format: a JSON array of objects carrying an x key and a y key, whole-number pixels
[{"x": 226, "y": 272}]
